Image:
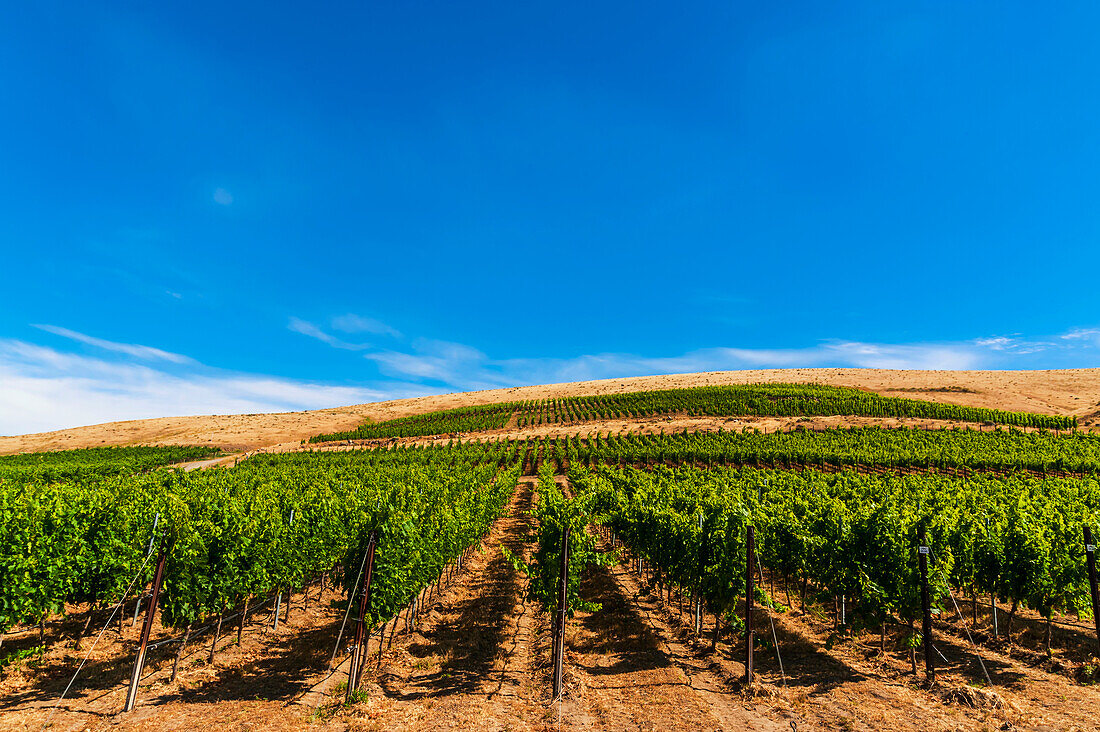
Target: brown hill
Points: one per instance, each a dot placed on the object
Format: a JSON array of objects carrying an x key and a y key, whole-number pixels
[{"x": 1071, "y": 392}]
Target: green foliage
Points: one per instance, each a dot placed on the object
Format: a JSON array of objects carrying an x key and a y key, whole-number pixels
[
  {"x": 466, "y": 419},
  {"x": 93, "y": 463},
  {"x": 855, "y": 534},
  {"x": 555, "y": 513},
  {"x": 230, "y": 530},
  {"x": 745, "y": 399},
  {"x": 940, "y": 449},
  {"x": 14, "y": 659},
  {"x": 1017, "y": 536}
]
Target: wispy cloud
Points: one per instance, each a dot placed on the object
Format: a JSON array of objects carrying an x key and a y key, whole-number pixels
[
  {"x": 463, "y": 367},
  {"x": 145, "y": 353},
  {"x": 453, "y": 364},
  {"x": 46, "y": 389},
  {"x": 1016, "y": 344},
  {"x": 307, "y": 328},
  {"x": 352, "y": 323},
  {"x": 345, "y": 324},
  {"x": 1082, "y": 334}
]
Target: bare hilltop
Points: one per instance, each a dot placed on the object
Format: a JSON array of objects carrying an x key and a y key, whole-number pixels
[{"x": 1070, "y": 392}]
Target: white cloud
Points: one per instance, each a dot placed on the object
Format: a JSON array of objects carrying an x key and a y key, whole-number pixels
[
  {"x": 450, "y": 363},
  {"x": 1014, "y": 344},
  {"x": 145, "y": 353},
  {"x": 352, "y": 323},
  {"x": 997, "y": 343},
  {"x": 349, "y": 323},
  {"x": 307, "y": 328},
  {"x": 1082, "y": 334},
  {"x": 44, "y": 389},
  {"x": 462, "y": 367}
]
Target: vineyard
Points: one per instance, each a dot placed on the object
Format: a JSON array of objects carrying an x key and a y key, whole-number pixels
[
  {"x": 854, "y": 536},
  {"x": 92, "y": 463},
  {"x": 1004, "y": 451},
  {"x": 970, "y": 538},
  {"x": 273, "y": 522},
  {"x": 749, "y": 400}
]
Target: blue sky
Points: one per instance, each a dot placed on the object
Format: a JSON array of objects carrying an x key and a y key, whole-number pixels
[{"x": 224, "y": 207}]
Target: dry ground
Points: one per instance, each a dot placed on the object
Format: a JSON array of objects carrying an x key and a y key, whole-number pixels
[
  {"x": 479, "y": 660},
  {"x": 1073, "y": 391},
  {"x": 467, "y": 662},
  {"x": 842, "y": 683}
]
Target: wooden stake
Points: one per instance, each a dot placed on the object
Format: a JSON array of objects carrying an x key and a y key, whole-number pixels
[
  {"x": 146, "y": 628},
  {"x": 750, "y": 550},
  {"x": 87, "y": 624},
  {"x": 559, "y": 624},
  {"x": 358, "y": 649},
  {"x": 926, "y": 626},
  {"x": 243, "y": 620},
  {"x": 1090, "y": 557}
]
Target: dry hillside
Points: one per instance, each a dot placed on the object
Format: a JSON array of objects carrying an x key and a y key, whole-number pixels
[{"x": 1073, "y": 391}]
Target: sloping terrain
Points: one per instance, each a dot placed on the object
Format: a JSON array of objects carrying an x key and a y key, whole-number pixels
[
  {"x": 479, "y": 658},
  {"x": 1071, "y": 392}
]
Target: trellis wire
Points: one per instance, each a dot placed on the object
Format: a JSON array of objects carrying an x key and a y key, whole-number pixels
[{"x": 61, "y": 698}]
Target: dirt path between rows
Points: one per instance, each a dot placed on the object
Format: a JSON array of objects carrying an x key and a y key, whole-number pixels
[
  {"x": 1032, "y": 698},
  {"x": 850, "y": 685},
  {"x": 479, "y": 660},
  {"x": 627, "y": 670},
  {"x": 476, "y": 661},
  {"x": 470, "y": 665},
  {"x": 248, "y": 686}
]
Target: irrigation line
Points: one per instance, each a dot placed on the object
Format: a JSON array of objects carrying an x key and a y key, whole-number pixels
[
  {"x": 1054, "y": 621},
  {"x": 199, "y": 631},
  {"x": 61, "y": 698},
  {"x": 961, "y": 620},
  {"x": 151, "y": 646},
  {"x": 775, "y": 640}
]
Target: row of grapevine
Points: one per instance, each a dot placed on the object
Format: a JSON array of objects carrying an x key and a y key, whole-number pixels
[
  {"x": 465, "y": 419},
  {"x": 855, "y": 535},
  {"x": 746, "y": 400},
  {"x": 564, "y": 551},
  {"x": 887, "y": 448},
  {"x": 94, "y": 463},
  {"x": 231, "y": 533},
  {"x": 555, "y": 512},
  {"x": 773, "y": 400}
]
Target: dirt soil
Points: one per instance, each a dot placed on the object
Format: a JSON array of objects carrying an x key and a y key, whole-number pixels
[
  {"x": 479, "y": 659},
  {"x": 626, "y": 670},
  {"x": 469, "y": 664},
  {"x": 829, "y": 681},
  {"x": 479, "y": 662},
  {"x": 1071, "y": 392}
]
